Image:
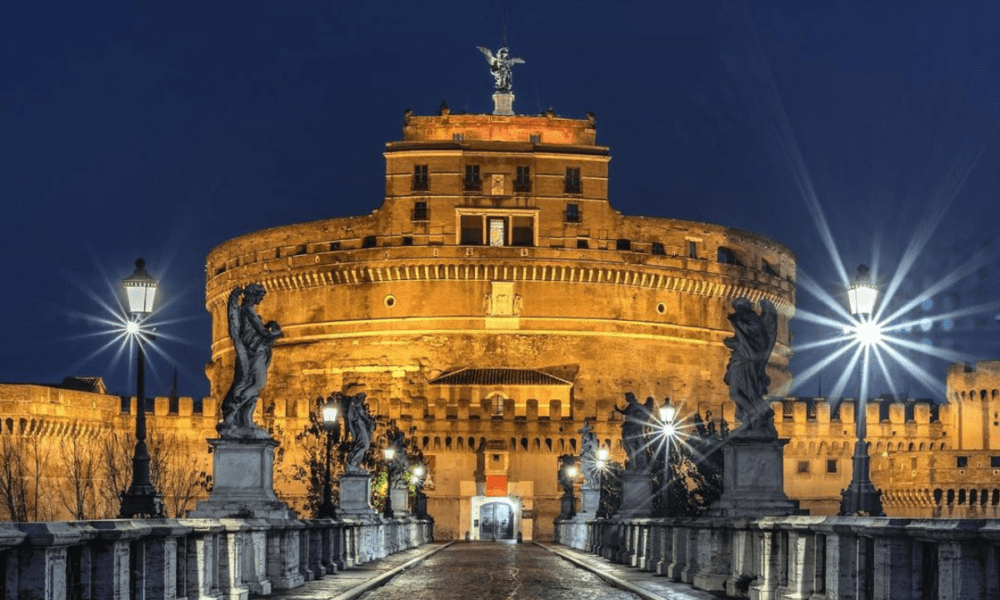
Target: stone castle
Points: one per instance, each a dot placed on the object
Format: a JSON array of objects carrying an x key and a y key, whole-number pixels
[{"x": 496, "y": 301}]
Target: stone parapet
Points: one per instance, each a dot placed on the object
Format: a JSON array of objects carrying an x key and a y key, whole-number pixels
[
  {"x": 165, "y": 559},
  {"x": 819, "y": 558}
]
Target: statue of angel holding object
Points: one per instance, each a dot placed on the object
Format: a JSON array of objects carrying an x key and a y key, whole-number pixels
[{"x": 253, "y": 341}]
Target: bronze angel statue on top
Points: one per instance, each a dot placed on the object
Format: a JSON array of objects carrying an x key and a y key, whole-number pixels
[
  {"x": 252, "y": 340},
  {"x": 500, "y": 66}
]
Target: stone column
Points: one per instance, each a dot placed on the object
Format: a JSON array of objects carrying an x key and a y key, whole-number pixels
[
  {"x": 42, "y": 563},
  {"x": 232, "y": 542},
  {"x": 161, "y": 558},
  {"x": 283, "y": 554}
]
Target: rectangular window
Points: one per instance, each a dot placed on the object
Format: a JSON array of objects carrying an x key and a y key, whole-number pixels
[
  {"x": 623, "y": 244},
  {"x": 457, "y": 137},
  {"x": 369, "y": 241},
  {"x": 692, "y": 249},
  {"x": 419, "y": 178},
  {"x": 658, "y": 249},
  {"x": 573, "y": 183},
  {"x": 407, "y": 240},
  {"x": 962, "y": 461},
  {"x": 472, "y": 182},
  {"x": 522, "y": 231},
  {"x": 831, "y": 466},
  {"x": 572, "y": 213},
  {"x": 498, "y": 232},
  {"x": 334, "y": 245},
  {"x": 802, "y": 467},
  {"x": 535, "y": 138},
  {"x": 472, "y": 230},
  {"x": 582, "y": 244},
  {"x": 522, "y": 183},
  {"x": 995, "y": 462},
  {"x": 419, "y": 211},
  {"x": 769, "y": 269}
]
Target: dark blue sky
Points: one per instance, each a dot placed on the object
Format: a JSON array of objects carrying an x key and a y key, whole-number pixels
[{"x": 162, "y": 131}]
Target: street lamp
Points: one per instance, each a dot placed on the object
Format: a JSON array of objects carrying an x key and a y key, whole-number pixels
[
  {"x": 331, "y": 425},
  {"x": 667, "y": 413},
  {"x": 141, "y": 499},
  {"x": 389, "y": 453},
  {"x": 420, "y": 501},
  {"x": 861, "y": 497}
]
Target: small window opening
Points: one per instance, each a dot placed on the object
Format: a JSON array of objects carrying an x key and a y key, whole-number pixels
[
  {"x": 582, "y": 244},
  {"x": 420, "y": 211},
  {"x": 419, "y": 178},
  {"x": 692, "y": 249},
  {"x": 831, "y": 466},
  {"x": 658, "y": 249},
  {"x": 407, "y": 240},
  {"x": 369, "y": 241},
  {"x": 572, "y": 213},
  {"x": 472, "y": 182},
  {"x": 573, "y": 183},
  {"x": 802, "y": 467},
  {"x": 962, "y": 461},
  {"x": 522, "y": 183},
  {"x": 623, "y": 244}
]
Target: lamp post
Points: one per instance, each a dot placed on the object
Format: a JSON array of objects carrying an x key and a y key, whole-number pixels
[
  {"x": 141, "y": 498},
  {"x": 861, "y": 497},
  {"x": 331, "y": 425},
  {"x": 420, "y": 501},
  {"x": 667, "y": 413},
  {"x": 389, "y": 453}
]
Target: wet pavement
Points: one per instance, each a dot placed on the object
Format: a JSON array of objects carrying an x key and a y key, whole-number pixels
[
  {"x": 493, "y": 571},
  {"x": 496, "y": 571}
]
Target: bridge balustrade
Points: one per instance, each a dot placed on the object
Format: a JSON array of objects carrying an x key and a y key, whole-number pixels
[
  {"x": 180, "y": 559},
  {"x": 795, "y": 557}
]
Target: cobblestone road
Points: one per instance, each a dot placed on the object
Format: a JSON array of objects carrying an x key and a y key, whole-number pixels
[{"x": 496, "y": 571}]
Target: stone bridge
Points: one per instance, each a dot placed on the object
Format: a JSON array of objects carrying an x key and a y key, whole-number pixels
[{"x": 180, "y": 559}]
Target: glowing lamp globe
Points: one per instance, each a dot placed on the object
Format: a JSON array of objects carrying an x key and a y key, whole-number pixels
[
  {"x": 862, "y": 293},
  {"x": 389, "y": 453},
  {"x": 330, "y": 412},
  {"x": 669, "y": 429},
  {"x": 602, "y": 454},
  {"x": 418, "y": 471},
  {"x": 571, "y": 472},
  {"x": 667, "y": 412},
  {"x": 140, "y": 289}
]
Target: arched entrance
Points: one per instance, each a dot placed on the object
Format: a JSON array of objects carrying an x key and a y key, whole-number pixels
[{"x": 496, "y": 521}]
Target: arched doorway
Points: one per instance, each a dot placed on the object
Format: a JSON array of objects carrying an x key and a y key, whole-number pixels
[{"x": 496, "y": 521}]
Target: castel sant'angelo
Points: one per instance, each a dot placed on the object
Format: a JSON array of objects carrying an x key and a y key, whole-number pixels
[{"x": 496, "y": 301}]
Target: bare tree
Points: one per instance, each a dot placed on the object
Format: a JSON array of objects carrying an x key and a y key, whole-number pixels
[
  {"x": 41, "y": 508},
  {"x": 180, "y": 476},
  {"x": 13, "y": 479},
  {"x": 80, "y": 466},
  {"x": 115, "y": 450}
]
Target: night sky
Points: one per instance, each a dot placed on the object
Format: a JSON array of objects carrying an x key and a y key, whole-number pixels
[{"x": 165, "y": 129}]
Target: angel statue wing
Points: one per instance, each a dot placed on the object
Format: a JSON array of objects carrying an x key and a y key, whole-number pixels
[
  {"x": 515, "y": 61},
  {"x": 487, "y": 53}
]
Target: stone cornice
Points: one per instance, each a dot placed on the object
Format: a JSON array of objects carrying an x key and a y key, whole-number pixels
[{"x": 653, "y": 277}]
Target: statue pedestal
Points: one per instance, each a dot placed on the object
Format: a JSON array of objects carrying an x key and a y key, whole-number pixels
[
  {"x": 400, "y": 501},
  {"x": 753, "y": 479},
  {"x": 243, "y": 481},
  {"x": 590, "y": 501},
  {"x": 567, "y": 508},
  {"x": 503, "y": 103},
  {"x": 355, "y": 495},
  {"x": 637, "y": 495}
]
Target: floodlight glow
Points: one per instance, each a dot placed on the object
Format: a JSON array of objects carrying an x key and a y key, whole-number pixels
[
  {"x": 131, "y": 328},
  {"x": 418, "y": 471},
  {"x": 868, "y": 333},
  {"x": 389, "y": 453},
  {"x": 571, "y": 472},
  {"x": 602, "y": 454},
  {"x": 669, "y": 429}
]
